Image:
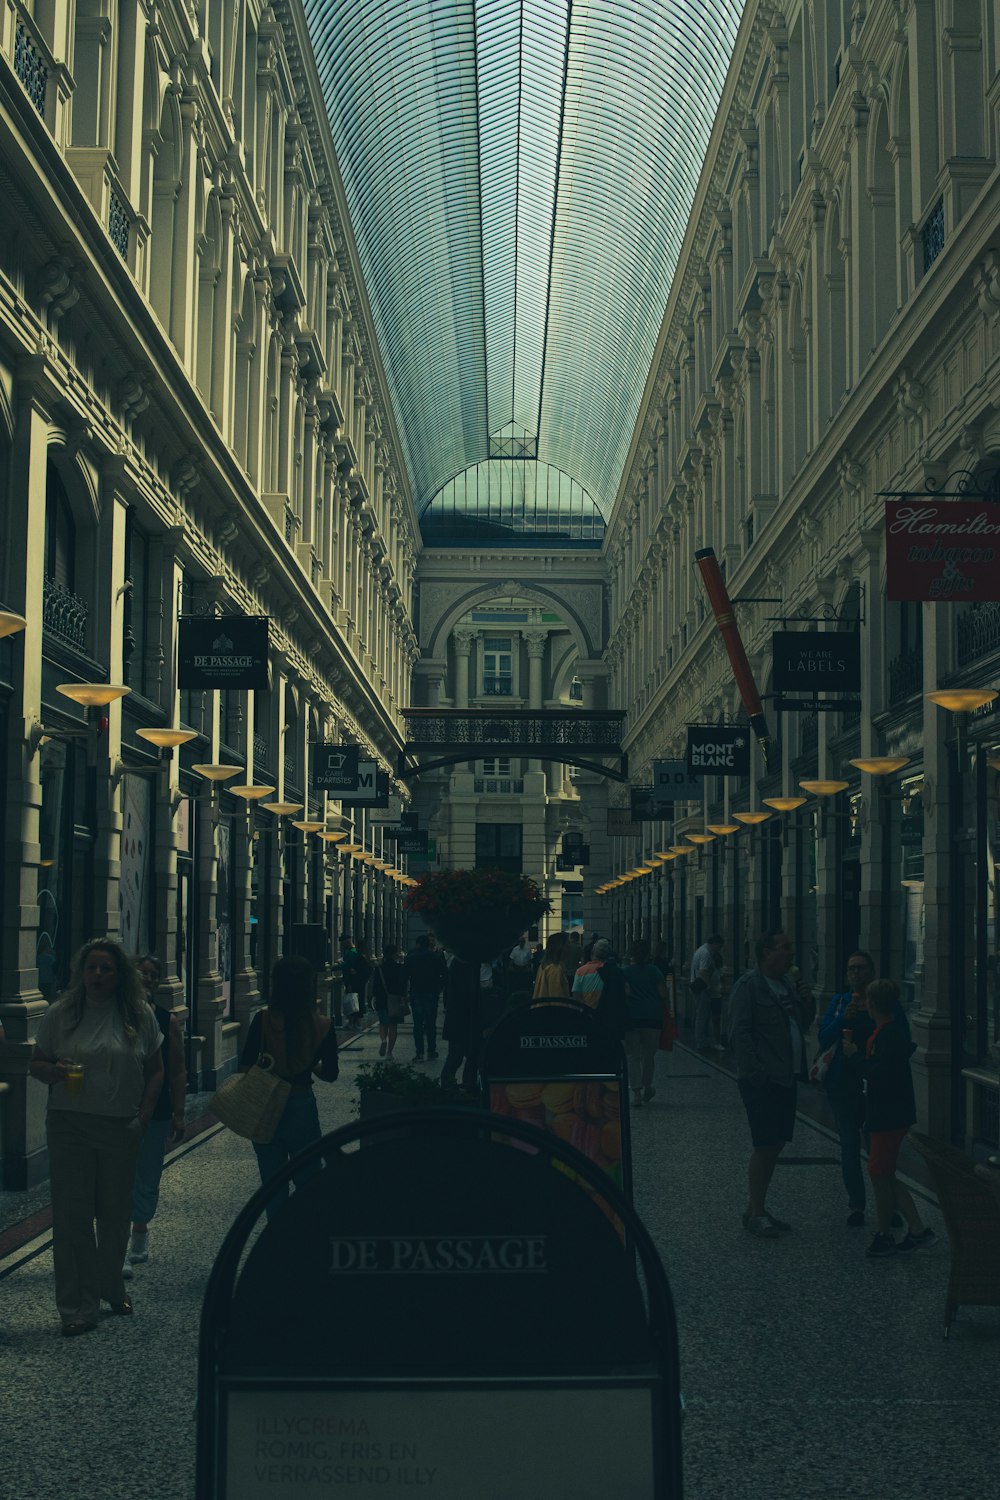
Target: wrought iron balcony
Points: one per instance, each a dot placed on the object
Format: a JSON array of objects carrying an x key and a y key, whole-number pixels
[
  {"x": 438, "y": 737},
  {"x": 933, "y": 234},
  {"x": 906, "y": 675},
  {"x": 64, "y": 615},
  {"x": 503, "y": 786},
  {"x": 498, "y": 686},
  {"x": 119, "y": 224},
  {"x": 29, "y": 65},
  {"x": 978, "y": 632}
]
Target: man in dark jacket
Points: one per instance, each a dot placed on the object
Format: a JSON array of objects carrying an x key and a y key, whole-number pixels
[
  {"x": 426, "y": 973},
  {"x": 769, "y": 1015}
]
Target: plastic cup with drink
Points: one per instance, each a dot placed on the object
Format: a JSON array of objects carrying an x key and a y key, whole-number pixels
[{"x": 74, "y": 1079}]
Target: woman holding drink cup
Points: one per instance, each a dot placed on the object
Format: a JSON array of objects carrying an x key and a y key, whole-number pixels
[{"x": 98, "y": 1049}]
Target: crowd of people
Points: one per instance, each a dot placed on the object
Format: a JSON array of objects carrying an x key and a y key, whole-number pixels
[{"x": 113, "y": 1061}]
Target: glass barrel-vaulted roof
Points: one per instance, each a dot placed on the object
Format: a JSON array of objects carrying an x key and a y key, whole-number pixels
[{"x": 519, "y": 175}]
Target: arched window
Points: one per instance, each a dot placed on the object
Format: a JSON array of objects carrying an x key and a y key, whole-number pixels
[{"x": 60, "y": 532}]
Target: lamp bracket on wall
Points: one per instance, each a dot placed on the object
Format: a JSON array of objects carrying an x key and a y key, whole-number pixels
[{"x": 39, "y": 732}]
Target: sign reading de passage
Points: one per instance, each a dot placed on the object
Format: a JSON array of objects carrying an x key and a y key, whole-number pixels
[
  {"x": 222, "y": 651},
  {"x": 942, "y": 549},
  {"x": 817, "y": 661},
  {"x": 715, "y": 751}
]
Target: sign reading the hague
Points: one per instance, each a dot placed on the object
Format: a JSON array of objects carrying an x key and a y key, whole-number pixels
[
  {"x": 222, "y": 651},
  {"x": 817, "y": 661},
  {"x": 334, "y": 768},
  {"x": 942, "y": 549},
  {"x": 672, "y": 783},
  {"x": 717, "y": 751}
]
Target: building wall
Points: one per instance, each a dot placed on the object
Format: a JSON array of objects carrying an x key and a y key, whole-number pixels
[
  {"x": 193, "y": 419},
  {"x": 832, "y": 333}
]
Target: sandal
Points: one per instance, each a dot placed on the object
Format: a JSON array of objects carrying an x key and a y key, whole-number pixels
[
  {"x": 122, "y": 1309},
  {"x": 72, "y": 1330}
]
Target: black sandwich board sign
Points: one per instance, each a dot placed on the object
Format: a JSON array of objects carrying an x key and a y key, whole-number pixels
[
  {"x": 450, "y": 1311},
  {"x": 714, "y": 750},
  {"x": 558, "y": 1064},
  {"x": 222, "y": 651},
  {"x": 816, "y": 661}
]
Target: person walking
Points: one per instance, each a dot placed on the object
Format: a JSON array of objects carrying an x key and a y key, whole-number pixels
[
  {"x": 890, "y": 1110},
  {"x": 98, "y": 1050},
  {"x": 645, "y": 998},
  {"x": 601, "y": 985},
  {"x": 302, "y": 1043},
  {"x": 706, "y": 987},
  {"x": 167, "y": 1122},
  {"x": 389, "y": 997},
  {"x": 461, "y": 1030},
  {"x": 769, "y": 1016},
  {"x": 550, "y": 981},
  {"x": 426, "y": 973}
]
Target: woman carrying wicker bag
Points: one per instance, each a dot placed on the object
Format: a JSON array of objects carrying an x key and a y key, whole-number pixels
[{"x": 302, "y": 1043}]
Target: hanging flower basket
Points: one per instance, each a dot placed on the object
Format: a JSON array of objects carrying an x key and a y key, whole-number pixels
[{"x": 475, "y": 914}]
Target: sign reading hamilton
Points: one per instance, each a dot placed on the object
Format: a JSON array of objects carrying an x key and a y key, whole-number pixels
[
  {"x": 222, "y": 651},
  {"x": 817, "y": 661},
  {"x": 713, "y": 750},
  {"x": 942, "y": 549}
]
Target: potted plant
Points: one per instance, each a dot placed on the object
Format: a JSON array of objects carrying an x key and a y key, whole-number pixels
[
  {"x": 386, "y": 1086},
  {"x": 476, "y": 913}
]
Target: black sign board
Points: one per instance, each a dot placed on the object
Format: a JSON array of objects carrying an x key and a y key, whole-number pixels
[
  {"x": 222, "y": 651},
  {"x": 455, "y": 1220},
  {"x": 334, "y": 768},
  {"x": 372, "y": 789},
  {"x": 671, "y": 783},
  {"x": 718, "y": 751},
  {"x": 644, "y": 805},
  {"x": 413, "y": 841},
  {"x": 409, "y": 820},
  {"x": 817, "y": 661}
]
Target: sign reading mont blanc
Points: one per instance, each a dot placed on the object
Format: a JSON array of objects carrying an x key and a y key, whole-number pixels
[
  {"x": 942, "y": 549},
  {"x": 222, "y": 651},
  {"x": 717, "y": 751},
  {"x": 817, "y": 661}
]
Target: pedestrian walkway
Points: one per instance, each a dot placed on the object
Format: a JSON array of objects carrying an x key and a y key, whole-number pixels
[{"x": 807, "y": 1369}]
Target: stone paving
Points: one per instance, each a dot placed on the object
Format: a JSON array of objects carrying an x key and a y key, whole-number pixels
[{"x": 808, "y": 1371}]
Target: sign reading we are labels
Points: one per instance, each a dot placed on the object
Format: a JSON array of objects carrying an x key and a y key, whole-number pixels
[
  {"x": 942, "y": 549},
  {"x": 817, "y": 661},
  {"x": 718, "y": 751}
]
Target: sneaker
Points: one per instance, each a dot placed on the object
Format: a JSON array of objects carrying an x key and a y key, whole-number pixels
[
  {"x": 139, "y": 1248},
  {"x": 881, "y": 1245},
  {"x": 856, "y": 1218},
  {"x": 761, "y": 1225},
  {"x": 127, "y": 1271},
  {"x": 381, "y": 1049},
  {"x": 648, "y": 1094},
  {"x": 922, "y": 1241}
]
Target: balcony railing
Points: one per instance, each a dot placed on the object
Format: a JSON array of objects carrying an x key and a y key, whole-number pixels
[
  {"x": 498, "y": 686},
  {"x": 29, "y": 65},
  {"x": 64, "y": 615},
  {"x": 978, "y": 632},
  {"x": 503, "y": 786},
  {"x": 119, "y": 224},
  {"x": 933, "y": 234}
]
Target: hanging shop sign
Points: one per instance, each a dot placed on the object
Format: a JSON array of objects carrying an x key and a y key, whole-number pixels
[
  {"x": 644, "y": 805},
  {"x": 621, "y": 824},
  {"x": 415, "y": 841},
  {"x": 672, "y": 783},
  {"x": 222, "y": 651},
  {"x": 372, "y": 789},
  {"x": 718, "y": 751},
  {"x": 816, "y": 661},
  {"x": 942, "y": 549},
  {"x": 334, "y": 768}
]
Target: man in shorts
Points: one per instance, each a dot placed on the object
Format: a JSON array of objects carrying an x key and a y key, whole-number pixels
[{"x": 769, "y": 1015}]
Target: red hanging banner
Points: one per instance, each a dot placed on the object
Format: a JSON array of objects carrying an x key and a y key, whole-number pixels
[{"x": 942, "y": 549}]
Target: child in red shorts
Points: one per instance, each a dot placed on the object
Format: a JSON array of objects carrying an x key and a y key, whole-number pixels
[{"x": 890, "y": 1110}]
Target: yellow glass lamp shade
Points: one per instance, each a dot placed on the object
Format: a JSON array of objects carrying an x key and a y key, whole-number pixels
[
  {"x": 670, "y": 854},
  {"x": 282, "y": 809},
  {"x": 958, "y": 700},
  {"x": 251, "y": 793},
  {"x": 823, "y": 788},
  {"x": 993, "y": 761},
  {"x": 217, "y": 772},
  {"x": 46, "y": 864},
  {"x": 10, "y": 623},
  {"x": 166, "y": 739},
  {"x": 701, "y": 838},
  {"x": 785, "y": 804},
  {"x": 93, "y": 694},
  {"x": 332, "y": 837},
  {"x": 722, "y": 828},
  {"x": 880, "y": 765},
  {"x": 751, "y": 819},
  {"x": 305, "y": 826},
  {"x": 679, "y": 849}
]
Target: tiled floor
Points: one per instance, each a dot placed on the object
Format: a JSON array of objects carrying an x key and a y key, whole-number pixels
[{"x": 807, "y": 1370}]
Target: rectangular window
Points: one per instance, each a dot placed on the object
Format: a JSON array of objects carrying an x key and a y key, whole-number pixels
[
  {"x": 498, "y": 666},
  {"x": 498, "y": 846},
  {"x": 497, "y": 765}
]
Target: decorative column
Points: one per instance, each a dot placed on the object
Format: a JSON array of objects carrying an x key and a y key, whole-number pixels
[
  {"x": 463, "y": 649},
  {"x": 106, "y": 750}
]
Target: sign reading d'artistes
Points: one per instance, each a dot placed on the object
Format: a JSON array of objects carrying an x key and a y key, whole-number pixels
[
  {"x": 222, "y": 651},
  {"x": 942, "y": 549}
]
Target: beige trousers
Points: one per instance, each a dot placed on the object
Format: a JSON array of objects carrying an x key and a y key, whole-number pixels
[
  {"x": 641, "y": 1043},
  {"x": 91, "y": 1171}
]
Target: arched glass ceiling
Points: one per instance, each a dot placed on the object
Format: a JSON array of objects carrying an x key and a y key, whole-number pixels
[{"x": 519, "y": 175}]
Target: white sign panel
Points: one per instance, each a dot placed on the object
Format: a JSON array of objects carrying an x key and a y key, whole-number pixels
[{"x": 456, "y": 1444}]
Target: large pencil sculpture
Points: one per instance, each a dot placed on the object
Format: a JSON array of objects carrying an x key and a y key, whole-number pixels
[{"x": 722, "y": 609}]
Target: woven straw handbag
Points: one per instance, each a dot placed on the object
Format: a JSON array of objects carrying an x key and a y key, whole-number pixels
[{"x": 252, "y": 1103}]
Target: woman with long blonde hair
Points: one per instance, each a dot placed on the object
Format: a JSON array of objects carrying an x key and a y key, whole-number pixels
[{"x": 98, "y": 1050}]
